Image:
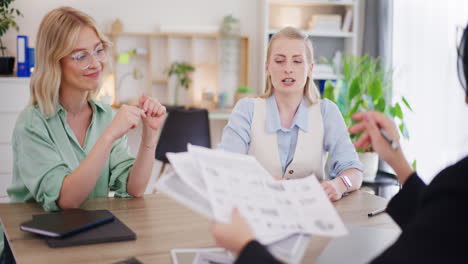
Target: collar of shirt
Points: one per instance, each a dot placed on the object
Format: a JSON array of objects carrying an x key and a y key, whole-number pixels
[
  {"x": 273, "y": 122},
  {"x": 95, "y": 106}
]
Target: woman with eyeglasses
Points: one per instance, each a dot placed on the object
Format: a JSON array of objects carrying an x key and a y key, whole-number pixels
[
  {"x": 67, "y": 146},
  {"x": 432, "y": 217}
]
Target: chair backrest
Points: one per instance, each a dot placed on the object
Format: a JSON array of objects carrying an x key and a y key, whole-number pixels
[{"x": 183, "y": 126}]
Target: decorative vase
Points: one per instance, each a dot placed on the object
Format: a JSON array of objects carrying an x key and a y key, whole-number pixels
[
  {"x": 228, "y": 59},
  {"x": 370, "y": 162}
]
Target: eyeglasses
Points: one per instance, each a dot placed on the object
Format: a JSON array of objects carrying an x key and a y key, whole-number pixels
[{"x": 84, "y": 58}]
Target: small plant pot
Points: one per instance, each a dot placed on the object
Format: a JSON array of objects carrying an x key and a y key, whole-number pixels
[
  {"x": 370, "y": 161},
  {"x": 7, "y": 64}
]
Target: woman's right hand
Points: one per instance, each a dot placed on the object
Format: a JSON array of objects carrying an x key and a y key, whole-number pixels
[
  {"x": 126, "y": 118},
  {"x": 370, "y": 123}
]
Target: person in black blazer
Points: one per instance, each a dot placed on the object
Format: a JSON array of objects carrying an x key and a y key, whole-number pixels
[{"x": 432, "y": 218}]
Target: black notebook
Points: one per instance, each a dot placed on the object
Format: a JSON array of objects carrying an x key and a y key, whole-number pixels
[
  {"x": 79, "y": 227},
  {"x": 66, "y": 223},
  {"x": 113, "y": 231}
]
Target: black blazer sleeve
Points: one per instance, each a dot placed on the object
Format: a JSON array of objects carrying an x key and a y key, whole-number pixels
[
  {"x": 403, "y": 207},
  {"x": 255, "y": 253},
  {"x": 433, "y": 219}
]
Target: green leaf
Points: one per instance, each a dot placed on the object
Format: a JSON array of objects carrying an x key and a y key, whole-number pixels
[
  {"x": 355, "y": 108},
  {"x": 403, "y": 130},
  {"x": 392, "y": 111},
  {"x": 355, "y": 88},
  {"x": 184, "y": 82},
  {"x": 380, "y": 106},
  {"x": 365, "y": 105},
  {"x": 406, "y": 103},
  {"x": 346, "y": 68},
  {"x": 414, "y": 165},
  {"x": 375, "y": 89},
  {"x": 329, "y": 91},
  {"x": 398, "y": 112}
]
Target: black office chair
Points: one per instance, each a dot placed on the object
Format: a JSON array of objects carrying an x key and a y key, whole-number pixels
[{"x": 183, "y": 126}]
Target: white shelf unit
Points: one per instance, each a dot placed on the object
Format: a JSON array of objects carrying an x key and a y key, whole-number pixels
[
  {"x": 325, "y": 43},
  {"x": 219, "y": 114},
  {"x": 15, "y": 97},
  {"x": 198, "y": 49},
  {"x": 314, "y": 2},
  {"x": 329, "y": 34}
]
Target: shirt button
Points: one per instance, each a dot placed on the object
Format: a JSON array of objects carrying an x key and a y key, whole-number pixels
[{"x": 291, "y": 171}]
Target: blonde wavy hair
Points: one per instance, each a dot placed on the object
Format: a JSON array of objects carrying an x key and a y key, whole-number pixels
[
  {"x": 56, "y": 37},
  {"x": 311, "y": 92}
]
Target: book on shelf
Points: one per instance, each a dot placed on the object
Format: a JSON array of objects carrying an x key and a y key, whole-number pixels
[
  {"x": 282, "y": 214},
  {"x": 324, "y": 23},
  {"x": 347, "y": 21}
]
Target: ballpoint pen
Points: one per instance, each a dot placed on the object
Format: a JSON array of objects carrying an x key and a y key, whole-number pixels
[
  {"x": 376, "y": 212},
  {"x": 393, "y": 143}
]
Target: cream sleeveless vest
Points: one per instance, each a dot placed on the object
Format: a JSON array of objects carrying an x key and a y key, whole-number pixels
[{"x": 308, "y": 156}]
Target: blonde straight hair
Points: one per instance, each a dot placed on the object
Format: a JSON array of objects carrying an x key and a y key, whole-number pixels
[
  {"x": 56, "y": 37},
  {"x": 311, "y": 92}
]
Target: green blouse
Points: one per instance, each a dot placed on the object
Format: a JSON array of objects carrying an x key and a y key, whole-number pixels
[{"x": 46, "y": 150}]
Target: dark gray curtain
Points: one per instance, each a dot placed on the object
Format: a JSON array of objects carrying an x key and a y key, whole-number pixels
[{"x": 377, "y": 40}]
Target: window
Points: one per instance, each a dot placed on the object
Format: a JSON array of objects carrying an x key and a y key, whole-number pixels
[{"x": 424, "y": 63}]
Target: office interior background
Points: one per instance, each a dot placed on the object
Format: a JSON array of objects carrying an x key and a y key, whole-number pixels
[{"x": 416, "y": 39}]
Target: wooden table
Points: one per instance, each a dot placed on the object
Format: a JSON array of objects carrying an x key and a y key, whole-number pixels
[{"x": 161, "y": 224}]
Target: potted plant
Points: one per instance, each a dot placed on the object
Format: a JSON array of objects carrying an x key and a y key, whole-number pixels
[
  {"x": 182, "y": 72},
  {"x": 230, "y": 26},
  {"x": 243, "y": 91},
  {"x": 362, "y": 87},
  {"x": 7, "y": 21}
]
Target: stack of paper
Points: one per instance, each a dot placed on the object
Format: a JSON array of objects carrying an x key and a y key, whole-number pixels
[{"x": 282, "y": 214}]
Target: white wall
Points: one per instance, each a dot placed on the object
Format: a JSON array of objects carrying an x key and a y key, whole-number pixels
[{"x": 147, "y": 16}]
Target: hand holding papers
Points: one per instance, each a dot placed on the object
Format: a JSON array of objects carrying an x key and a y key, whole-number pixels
[{"x": 213, "y": 182}]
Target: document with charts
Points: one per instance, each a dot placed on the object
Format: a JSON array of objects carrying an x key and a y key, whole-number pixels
[{"x": 213, "y": 182}]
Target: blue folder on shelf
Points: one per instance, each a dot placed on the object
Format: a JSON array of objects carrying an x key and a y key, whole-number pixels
[{"x": 23, "y": 69}]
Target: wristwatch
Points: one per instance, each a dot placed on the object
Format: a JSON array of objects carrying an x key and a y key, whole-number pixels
[{"x": 346, "y": 182}]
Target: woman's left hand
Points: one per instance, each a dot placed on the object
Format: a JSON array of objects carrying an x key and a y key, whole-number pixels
[
  {"x": 332, "y": 189},
  {"x": 155, "y": 112}
]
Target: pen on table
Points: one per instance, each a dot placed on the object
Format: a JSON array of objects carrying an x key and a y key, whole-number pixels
[
  {"x": 376, "y": 212},
  {"x": 393, "y": 143}
]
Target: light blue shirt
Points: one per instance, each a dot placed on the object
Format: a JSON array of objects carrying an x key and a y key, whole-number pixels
[{"x": 342, "y": 155}]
